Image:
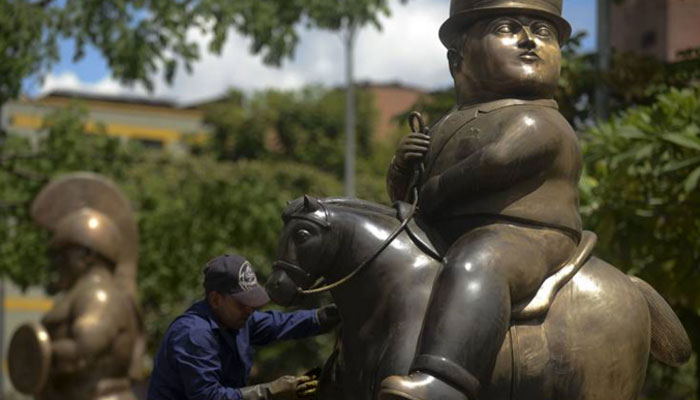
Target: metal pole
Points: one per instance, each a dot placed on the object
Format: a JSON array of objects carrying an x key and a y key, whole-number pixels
[
  {"x": 350, "y": 111},
  {"x": 602, "y": 92}
]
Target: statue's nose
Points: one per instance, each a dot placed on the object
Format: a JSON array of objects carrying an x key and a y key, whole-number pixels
[{"x": 526, "y": 39}]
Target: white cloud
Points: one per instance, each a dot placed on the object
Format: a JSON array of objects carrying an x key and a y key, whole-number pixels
[
  {"x": 69, "y": 80},
  {"x": 407, "y": 50}
]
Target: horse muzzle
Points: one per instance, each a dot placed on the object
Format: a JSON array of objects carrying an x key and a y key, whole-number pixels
[{"x": 281, "y": 288}]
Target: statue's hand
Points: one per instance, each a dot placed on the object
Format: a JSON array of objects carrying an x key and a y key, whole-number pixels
[
  {"x": 412, "y": 150},
  {"x": 65, "y": 356}
]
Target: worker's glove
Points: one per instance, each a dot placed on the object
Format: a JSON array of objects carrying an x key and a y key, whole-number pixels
[
  {"x": 328, "y": 317},
  {"x": 284, "y": 388},
  {"x": 307, "y": 388}
]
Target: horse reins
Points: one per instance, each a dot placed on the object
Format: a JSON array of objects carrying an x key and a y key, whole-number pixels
[{"x": 413, "y": 119}]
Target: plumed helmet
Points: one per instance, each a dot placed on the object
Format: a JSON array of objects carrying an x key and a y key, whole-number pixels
[
  {"x": 92, "y": 229},
  {"x": 89, "y": 210},
  {"x": 464, "y": 12}
]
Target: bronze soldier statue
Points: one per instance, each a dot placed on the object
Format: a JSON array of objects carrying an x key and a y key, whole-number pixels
[
  {"x": 499, "y": 192},
  {"x": 92, "y": 340}
]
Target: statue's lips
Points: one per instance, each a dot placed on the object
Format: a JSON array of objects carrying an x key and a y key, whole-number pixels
[{"x": 529, "y": 57}]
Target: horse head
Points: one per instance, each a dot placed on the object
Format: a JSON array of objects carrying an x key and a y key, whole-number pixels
[{"x": 305, "y": 246}]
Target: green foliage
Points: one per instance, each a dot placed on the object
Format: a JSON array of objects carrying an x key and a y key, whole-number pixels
[
  {"x": 632, "y": 80},
  {"x": 305, "y": 126},
  {"x": 23, "y": 48},
  {"x": 143, "y": 38},
  {"x": 647, "y": 165},
  {"x": 336, "y": 15}
]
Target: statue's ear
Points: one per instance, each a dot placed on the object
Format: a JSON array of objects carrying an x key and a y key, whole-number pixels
[
  {"x": 454, "y": 59},
  {"x": 311, "y": 204}
]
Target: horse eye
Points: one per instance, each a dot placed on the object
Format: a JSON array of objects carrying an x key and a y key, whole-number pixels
[{"x": 302, "y": 235}]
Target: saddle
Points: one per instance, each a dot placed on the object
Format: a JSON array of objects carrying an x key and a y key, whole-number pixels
[{"x": 539, "y": 304}]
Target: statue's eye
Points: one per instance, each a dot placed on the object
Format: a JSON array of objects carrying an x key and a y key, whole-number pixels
[
  {"x": 302, "y": 235},
  {"x": 543, "y": 31},
  {"x": 505, "y": 28}
]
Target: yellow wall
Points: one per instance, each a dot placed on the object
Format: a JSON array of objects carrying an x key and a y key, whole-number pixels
[
  {"x": 27, "y": 304},
  {"x": 29, "y": 119}
]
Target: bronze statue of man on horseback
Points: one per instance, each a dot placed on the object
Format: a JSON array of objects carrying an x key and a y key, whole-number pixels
[
  {"x": 499, "y": 191},
  {"x": 484, "y": 288}
]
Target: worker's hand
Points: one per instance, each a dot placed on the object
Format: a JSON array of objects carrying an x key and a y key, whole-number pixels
[
  {"x": 284, "y": 388},
  {"x": 328, "y": 317},
  {"x": 293, "y": 388},
  {"x": 411, "y": 151},
  {"x": 307, "y": 387}
]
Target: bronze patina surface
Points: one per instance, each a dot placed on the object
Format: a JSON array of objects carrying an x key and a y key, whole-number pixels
[
  {"x": 29, "y": 358},
  {"x": 94, "y": 331},
  {"x": 491, "y": 293},
  {"x": 590, "y": 341}
]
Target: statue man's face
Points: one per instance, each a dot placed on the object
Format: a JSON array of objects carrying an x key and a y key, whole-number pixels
[
  {"x": 508, "y": 56},
  {"x": 70, "y": 262}
]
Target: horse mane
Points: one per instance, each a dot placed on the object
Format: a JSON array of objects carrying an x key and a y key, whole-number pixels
[
  {"x": 296, "y": 206},
  {"x": 360, "y": 205}
]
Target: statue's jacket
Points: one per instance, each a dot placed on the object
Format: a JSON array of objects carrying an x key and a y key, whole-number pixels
[{"x": 511, "y": 159}]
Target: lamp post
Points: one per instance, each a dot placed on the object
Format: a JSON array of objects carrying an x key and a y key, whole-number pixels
[
  {"x": 350, "y": 141},
  {"x": 602, "y": 92}
]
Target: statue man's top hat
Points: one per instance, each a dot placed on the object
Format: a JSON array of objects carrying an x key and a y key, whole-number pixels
[{"x": 464, "y": 12}]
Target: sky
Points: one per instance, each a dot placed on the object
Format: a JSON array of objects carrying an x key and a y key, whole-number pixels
[{"x": 405, "y": 51}]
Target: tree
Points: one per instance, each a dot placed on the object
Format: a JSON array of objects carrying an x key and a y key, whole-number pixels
[
  {"x": 303, "y": 126},
  {"x": 141, "y": 39}
]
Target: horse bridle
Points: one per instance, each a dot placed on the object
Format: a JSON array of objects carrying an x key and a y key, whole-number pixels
[
  {"x": 295, "y": 270},
  {"x": 292, "y": 269}
]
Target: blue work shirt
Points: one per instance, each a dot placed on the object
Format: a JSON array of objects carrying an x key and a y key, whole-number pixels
[{"x": 200, "y": 360}]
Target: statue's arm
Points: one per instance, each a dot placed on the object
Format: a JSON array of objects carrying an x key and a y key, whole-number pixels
[
  {"x": 529, "y": 144},
  {"x": 95, "y": 325},
  {"x": 398, "y": 180}
]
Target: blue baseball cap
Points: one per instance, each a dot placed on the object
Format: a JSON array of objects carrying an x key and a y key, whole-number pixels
[{"x": 233, "y": 274}]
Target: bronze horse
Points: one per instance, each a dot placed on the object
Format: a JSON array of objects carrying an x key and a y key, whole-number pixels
[{"x": 592, "y": 342}]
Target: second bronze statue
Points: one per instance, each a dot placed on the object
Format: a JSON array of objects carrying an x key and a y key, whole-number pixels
[{"x": 90, "y": 345}]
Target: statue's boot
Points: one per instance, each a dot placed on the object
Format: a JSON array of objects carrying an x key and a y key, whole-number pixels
[{"x": 418, "y": 386}]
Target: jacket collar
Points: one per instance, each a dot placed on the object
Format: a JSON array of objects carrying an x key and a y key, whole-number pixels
[
  {"x": 496, "y": 104},
  {"x": 202, "y": 309}
]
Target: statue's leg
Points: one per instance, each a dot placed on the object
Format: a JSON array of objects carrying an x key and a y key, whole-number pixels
[{"x": 487, "y": 269}]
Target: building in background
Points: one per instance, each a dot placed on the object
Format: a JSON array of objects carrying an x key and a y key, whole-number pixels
[
  {"x": 659, "y": 28},
  {"x": 155, "y": 123},
  {"x": 391, "y": 100}
]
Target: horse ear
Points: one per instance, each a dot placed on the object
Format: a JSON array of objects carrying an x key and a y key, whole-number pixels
[{"x": 311, "y": 204}]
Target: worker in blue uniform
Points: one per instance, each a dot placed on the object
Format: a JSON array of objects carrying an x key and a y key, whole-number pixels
[{"x": 207, "y": 352}]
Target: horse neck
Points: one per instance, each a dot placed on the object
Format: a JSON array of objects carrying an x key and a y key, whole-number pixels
[{"x": 361, "y": 237}]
